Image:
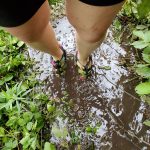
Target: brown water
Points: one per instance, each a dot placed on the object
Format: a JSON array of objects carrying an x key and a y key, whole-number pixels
[{"x": 108, "y": 97}]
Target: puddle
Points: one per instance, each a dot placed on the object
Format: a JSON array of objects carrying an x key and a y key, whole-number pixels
[{"x": 107, "y": 97}]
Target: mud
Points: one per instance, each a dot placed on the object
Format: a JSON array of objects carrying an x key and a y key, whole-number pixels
[{"x": 107, "y": 98}]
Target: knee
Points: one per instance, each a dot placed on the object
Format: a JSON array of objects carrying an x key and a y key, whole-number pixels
[
  {"x": 90, "y": 32},
  {"x": 92, "y": 36},
  {"x": 30, "y": 38}
]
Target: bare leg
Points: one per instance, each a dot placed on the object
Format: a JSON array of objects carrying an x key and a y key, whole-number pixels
[
  {"x": 85, "y": 48},
  {"x": 91, "y": 24},
  {"x": 38, "y": 32}
]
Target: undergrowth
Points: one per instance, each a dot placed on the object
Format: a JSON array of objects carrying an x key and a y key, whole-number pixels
[
  {"x": 26, "y": 112},
  {"x": 134, "y": 19}
]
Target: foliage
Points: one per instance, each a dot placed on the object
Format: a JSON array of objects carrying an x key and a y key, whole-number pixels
[
  {"x": 137, "y": 15},
  {"x": 143, "y": 69},
  {"x": 91, "y": 129},
  {"x": 59, "y": 132},
  {"x": 21, "y": 108},
  {"x": 54, "y": 2},
  {"x": 143, "y": 8},
  {"x": 147, "y": 122},
  {"x": 20, "y": 119},
  {"x": 134, "y": 19},
  {"x": 143, "y": 88},
  {"x": 25, "y": 111},
  {"x": 141, "y": 37},
  {"x": 49, "y": 146},
  {"x": 137, "y": 9}
]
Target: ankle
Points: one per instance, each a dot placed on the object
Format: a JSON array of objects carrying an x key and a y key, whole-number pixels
[
  {"x": 83, "y": 61},
  {"x": 59, "y": 55}
]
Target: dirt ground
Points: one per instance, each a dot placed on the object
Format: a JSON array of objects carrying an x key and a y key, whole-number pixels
[{"x": 108, "y": 97}]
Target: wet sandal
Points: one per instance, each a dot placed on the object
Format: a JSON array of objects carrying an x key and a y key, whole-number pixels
[
  {"x": 60, "y": 65},
  {"x": 84, "y": 70}
]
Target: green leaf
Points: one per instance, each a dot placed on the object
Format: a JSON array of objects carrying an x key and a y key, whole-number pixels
[
  {"x": 33, "y": 143},
  {"x": 20, "y": 43},
  {"x": 2, "y": 82},
  {"x": 147, "y": 36},
  {"x": 8, "y": 77},
  {"x": 50, "y": 108},
  {"x": 147, "y": 123},
  {"x": 104, "y": 67},
  {"x": 146, "y": 98},
  {"x": 141, "y": 27},
  {"x": 39, "y": 121},
  {"x": 117, "y": 24},
  {"x": 33, "y": 107},
  {"x": 38, "y": 115},
  {"x": 89, "y": 129},
  {"x": 21, "y": 122},
  {"x": 29, "y": 126},
  {"x": 59, "y": 132},
  {"x": 2, "y": 132},
  {"x": 27, "y": 116},
  {"x": 146, "y": 55},
  {"x": 13, "y": 40},
  {"x": 15, "y": 143},
  {"x": 2, "y": 48},
  {"x": 140, "y": 44},
  {"x": 25, "y": 141},
  {"x": 142, "y": 65},
  {"x": 143, "y": 71},
  {"x": 143, "y": 88},
  {"x": 35, "y": 125},
  {"x": 11, "y": 144},
  {"x": 139, "y": 34},
  {"x": 143, "y": 8},
  {"x": 24, "y": 87},
  {"x": 11, "y": 121},
  {"x": 49, "y": 146}
]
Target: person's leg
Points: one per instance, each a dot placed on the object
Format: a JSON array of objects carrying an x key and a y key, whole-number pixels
[
  {"x": 91, "y": 24},
  {"x": 38, "y": 32}
]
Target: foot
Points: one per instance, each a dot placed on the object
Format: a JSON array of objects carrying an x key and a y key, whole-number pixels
[
  {"x": 60, "y": 65},
  {"x": 84, "y": 69}
]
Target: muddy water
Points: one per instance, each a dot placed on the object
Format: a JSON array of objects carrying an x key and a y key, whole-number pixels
[{"x": 107, "y": 98}]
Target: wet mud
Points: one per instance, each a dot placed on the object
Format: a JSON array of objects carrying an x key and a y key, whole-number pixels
[{"x": 107, "y": 98}]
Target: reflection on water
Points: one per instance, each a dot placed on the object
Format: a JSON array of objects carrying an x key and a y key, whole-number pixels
[{"x": 102, "y": 99}]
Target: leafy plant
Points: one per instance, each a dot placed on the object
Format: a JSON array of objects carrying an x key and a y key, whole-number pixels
[
  {"x": 49, "y": 146},
  {"x": 143, "y": 88},
  {"x": 143, "y": 8},
  {"x": 143, "y": 70},
  {"x": 54, "y": 2},
  {"x": 92, "y": 129},
  {"x": 25, "y": 111},
  {"x": 59, "y": 132},
  {"x": 147, "y": 123},
  {"x": 135, "y": 20},
  {"x": 21, "y": 119},
  {"x": 144, "y": 39}
]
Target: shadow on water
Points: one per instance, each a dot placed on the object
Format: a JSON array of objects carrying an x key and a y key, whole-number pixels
[{"x": 108, "y": 97}]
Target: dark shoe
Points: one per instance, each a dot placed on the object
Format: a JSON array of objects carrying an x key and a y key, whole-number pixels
[
  {"x": 84, "y": 70},
  {"x": 60, "y": 65}
]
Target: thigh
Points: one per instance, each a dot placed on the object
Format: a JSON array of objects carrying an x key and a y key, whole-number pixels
[
  {"x": 17, "y": 12},
  {"x": 85, "y": 17},
  {"x": 32, "y": 28}
]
